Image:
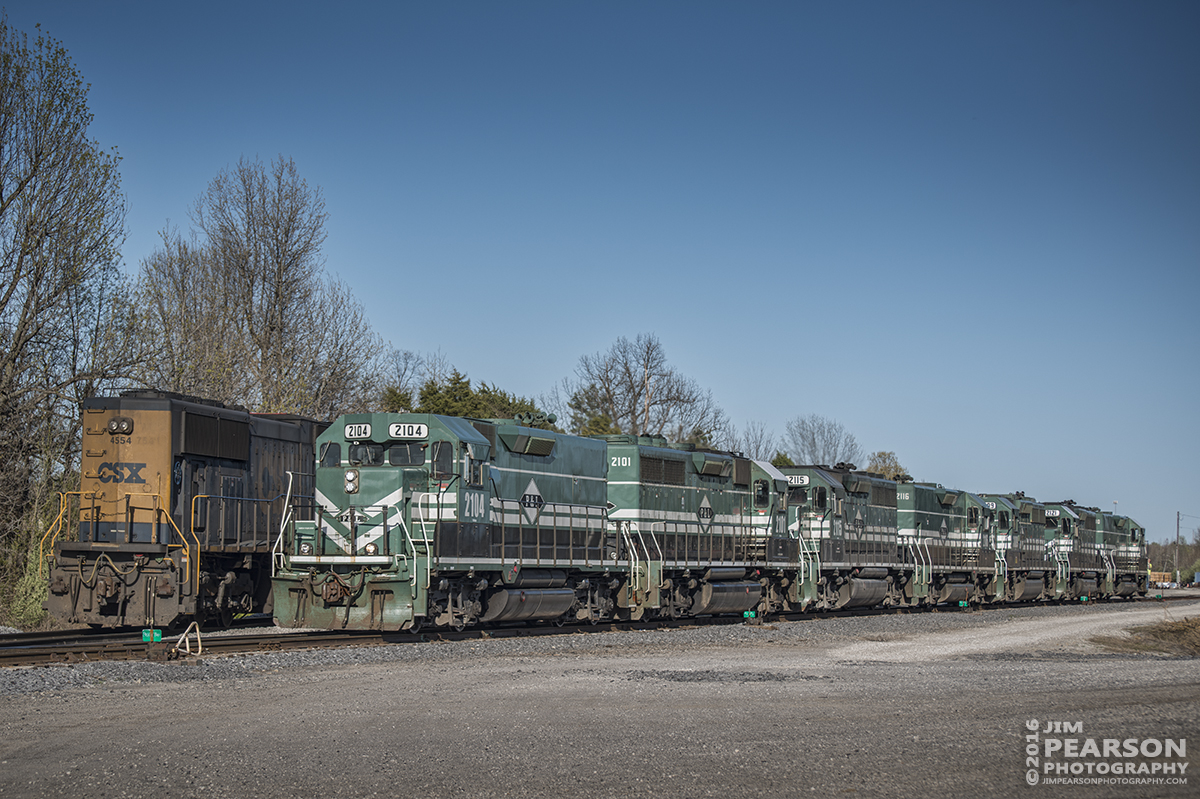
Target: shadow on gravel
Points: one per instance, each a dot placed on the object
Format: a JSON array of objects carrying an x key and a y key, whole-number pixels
[
  {"x": 721, "y": 676},
  {"x": 1179, "y": 638}
]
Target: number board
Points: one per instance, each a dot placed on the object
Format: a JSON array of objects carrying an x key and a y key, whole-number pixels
[
  {"x": 408, "y": 430},
  {"x": 797, "y": 479},
  {"x": 357, "y": 432},
  {"x": 1051, "y": 512}
]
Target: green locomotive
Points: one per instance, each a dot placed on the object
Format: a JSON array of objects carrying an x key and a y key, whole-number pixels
[
  {"x": 1023, "y": 565},
  {"x": 425, "y": 519},
  {"x": 845, "y": 523},
  {"x": 705, "y": 529},
  {"x": 435, "y": 520}
]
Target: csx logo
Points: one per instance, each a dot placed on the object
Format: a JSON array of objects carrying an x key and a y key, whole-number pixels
[{"x": 120, "y": 472}]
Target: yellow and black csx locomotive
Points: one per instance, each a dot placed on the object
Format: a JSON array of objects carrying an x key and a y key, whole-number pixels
[{"x": 180, "y": 501}]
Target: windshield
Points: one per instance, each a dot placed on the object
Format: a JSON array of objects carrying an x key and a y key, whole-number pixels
[{"x": 366, "y": 454}]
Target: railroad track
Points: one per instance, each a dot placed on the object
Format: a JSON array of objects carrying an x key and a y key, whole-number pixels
[{"x": 83, "y": 646}]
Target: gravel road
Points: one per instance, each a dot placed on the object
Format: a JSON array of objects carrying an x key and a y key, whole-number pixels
[{"x": 920, "y": 704}]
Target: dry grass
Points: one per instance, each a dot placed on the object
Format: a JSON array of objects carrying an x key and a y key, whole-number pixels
[{"x": 1166, "y": 637}]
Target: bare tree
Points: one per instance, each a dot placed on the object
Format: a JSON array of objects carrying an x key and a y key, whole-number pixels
[
  {"x": 754, "y": 440},
  {"x": 186, "y": 298},
  {"x": 401, "y": 381},
  {"x": 817, "y": 440},
  {"x": 250, "y": 293},
  {"x": 264, "y": 229},
  {"x": 436, "y": 368},
  {"x": 64, "y": 319},
  {"x": 632, "y": 389},
  {"x": 338, "y": 357}
]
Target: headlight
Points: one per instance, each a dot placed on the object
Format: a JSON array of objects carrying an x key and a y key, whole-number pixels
[
  {"x": 371, "y": 549},
  {"x": 306, "y": 548},
  {"x": 352, "y": 481},
  {"x": 120, "y": 424}
]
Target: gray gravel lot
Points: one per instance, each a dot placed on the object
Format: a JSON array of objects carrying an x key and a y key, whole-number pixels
[{"x": 925, "y": 704}]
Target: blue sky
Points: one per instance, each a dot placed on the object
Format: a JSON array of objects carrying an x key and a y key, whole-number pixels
[{"x": 969, "y": 232}]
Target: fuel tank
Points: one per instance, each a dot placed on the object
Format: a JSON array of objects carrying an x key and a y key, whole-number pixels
[
  {"x": 859, "y": 593},
  {"x": 727, "y": 598},
  {"x": 523, "y": 604}
]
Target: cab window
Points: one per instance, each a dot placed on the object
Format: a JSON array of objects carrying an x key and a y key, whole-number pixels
[
  {"x": 366, "y": 454},
  {"x": 822, "y": 498},
  {"x": 797, "y": 496},
  {"x": 331, "y": 454},
  {"x": 443, "y": 457},
  {"x": 411, "y": 454},
  {"x": 762, "y": 495}
]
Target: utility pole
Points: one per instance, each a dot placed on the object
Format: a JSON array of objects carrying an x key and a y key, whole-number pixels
[{"x": 1177, "y": 516}]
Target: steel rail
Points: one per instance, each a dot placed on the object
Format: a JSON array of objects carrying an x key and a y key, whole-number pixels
[{"x": 83, "y": 646}]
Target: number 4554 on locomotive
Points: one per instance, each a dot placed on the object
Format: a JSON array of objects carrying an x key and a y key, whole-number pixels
[{"x": 180, "y": 500}]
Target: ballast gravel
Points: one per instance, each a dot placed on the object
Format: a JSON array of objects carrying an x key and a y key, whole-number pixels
[
  {"x": 875, "y": 638},
  {"x": 917, "y": 704}
]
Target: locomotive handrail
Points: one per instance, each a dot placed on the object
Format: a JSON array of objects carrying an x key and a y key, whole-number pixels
[
  {"x": 285, "y": 518},
  {"x": 807, "y": 568},
  {"x": 192, "y": 558},
  {"x": 1110, "y": 566},
  {"x": 425, "y": 539},
  {"x": 655, "y": 540},
  {"x": 623, "y": 529},
  {"x": 922, "y": 561},
  {"x": 412, "y": 547},
  {"x": 425, "y": 495},
  {"x": 1062, "y": 561},
  {"x": 252, "y": 500},
  {"x": 277, "y": 547},
  {"x": 646, "y": 550},
  {"x": 56, "y": 526},
  {"x": 1001, "y": 561}
]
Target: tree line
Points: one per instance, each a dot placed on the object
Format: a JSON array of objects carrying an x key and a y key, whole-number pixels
[
  {"x": 240, "y": 308},
  {"x": 1180, "y": 555}
]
